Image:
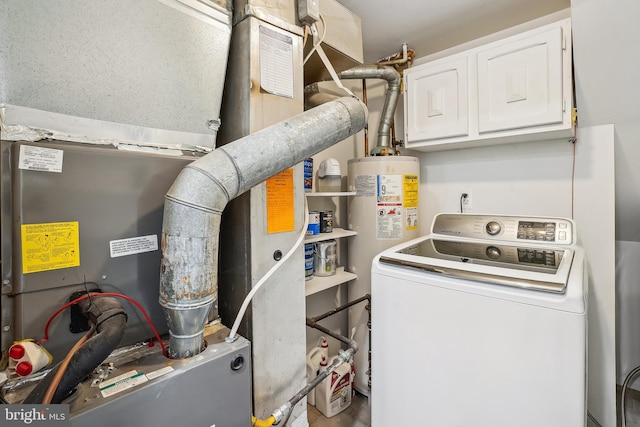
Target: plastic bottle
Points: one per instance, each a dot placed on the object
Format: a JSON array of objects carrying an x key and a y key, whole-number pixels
[
  {"x": 333, "y": 394},
  {"x": 324, "y": 345},
  {"x": 314, "y": 358}
]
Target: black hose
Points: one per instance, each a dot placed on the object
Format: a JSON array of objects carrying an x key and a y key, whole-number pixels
[{"x": 110, "y": 320}]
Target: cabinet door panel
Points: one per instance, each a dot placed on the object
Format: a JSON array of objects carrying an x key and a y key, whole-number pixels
[
  {"x": 437, "y": 100},
  {"x": 520, "y": 83}
]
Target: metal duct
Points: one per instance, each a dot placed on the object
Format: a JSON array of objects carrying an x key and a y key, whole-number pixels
[
  {"x": 194, "y": 205},
  {"x": 391, "y": 100}
]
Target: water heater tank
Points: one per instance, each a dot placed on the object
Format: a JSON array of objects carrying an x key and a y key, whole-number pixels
[{"x": 384, "y": 212}]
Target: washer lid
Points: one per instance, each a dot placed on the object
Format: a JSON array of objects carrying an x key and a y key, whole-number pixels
[{"x": 524, "y": 266}]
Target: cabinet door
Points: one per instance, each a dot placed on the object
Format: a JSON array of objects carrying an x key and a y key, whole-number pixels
[
  {"x": 437, "y": 100},
  {"x": 520, "y": 82}
]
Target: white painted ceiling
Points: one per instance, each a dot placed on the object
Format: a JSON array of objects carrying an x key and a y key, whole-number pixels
[{"x": 429, "y": 26}]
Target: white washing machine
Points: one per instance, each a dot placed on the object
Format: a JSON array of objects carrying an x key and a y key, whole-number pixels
[{"x": 481, "y": 323}]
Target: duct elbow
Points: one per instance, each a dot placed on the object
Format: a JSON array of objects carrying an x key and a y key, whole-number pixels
[{"x": 194, "y": 205}]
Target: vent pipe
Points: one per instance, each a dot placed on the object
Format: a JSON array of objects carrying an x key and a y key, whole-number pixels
[
  {"x": 393, "y": 79},
  {"x": 194, "y": 204}
]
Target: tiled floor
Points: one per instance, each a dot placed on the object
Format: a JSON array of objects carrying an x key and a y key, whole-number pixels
[{"x": 356, "y": 415}]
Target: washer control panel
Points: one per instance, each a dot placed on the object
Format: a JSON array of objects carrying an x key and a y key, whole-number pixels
[{"x": 506, "y": 228}]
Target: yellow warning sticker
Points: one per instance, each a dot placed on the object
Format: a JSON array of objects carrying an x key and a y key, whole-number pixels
[
  {"x": 410, "y": 197},
  {"x": 50, "y": 246},
  {"x": 410, "y": 191}
]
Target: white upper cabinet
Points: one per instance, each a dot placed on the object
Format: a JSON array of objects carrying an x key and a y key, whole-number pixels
[
  {"x": 511, "y": 90},
  {"x": 438, "y": 105}
]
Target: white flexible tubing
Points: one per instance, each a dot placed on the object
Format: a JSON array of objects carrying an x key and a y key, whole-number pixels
[
  {"x": 316, "y": 41},
  {"x": 249, "y": 297}
]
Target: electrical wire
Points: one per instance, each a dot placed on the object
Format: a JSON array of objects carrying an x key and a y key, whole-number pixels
[
  {"x": 55, "y": 382},
  {"x": 625, "y": 384},
  {"x": 105, "y": 294},
  {"x": 249, "y": 297}
]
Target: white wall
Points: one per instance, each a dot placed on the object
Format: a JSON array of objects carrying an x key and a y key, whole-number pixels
[
  {"x": 607, "y": 91},
  {"x": 526, "y": 179}
]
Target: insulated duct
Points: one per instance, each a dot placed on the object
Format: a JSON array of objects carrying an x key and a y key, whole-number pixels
[
  {"x": 194, "y": 205},
  {"x": 313, "y": 97}
]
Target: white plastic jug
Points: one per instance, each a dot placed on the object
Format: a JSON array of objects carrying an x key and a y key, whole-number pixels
[
  {"x": 333, "y": 394},
  {"x": 314, "y": 357}
]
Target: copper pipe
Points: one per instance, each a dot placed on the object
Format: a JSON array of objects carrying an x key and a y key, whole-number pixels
[{"x": 366, "y": 126}]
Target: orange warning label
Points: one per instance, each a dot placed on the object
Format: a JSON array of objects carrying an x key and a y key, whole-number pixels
[{"x": 280, "y": 207}]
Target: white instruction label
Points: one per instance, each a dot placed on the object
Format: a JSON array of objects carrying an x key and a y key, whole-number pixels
[
  {"x": 121, "y": 383},
  {"x": 133, "y": 245},
  {"x": 276, "y": 62},
  {"x": 159, "y": 372},
  {"x": 40, "y": 159},
  {"x": 366, "y": 185}
]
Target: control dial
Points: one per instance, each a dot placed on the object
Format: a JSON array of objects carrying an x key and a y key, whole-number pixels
[
  {"x": 493, "y": 228},
  {"x": 493, "y": 252}
]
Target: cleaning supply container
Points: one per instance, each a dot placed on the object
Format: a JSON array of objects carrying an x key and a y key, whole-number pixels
[
  {"x": 325, "y": 258},
  {"x": 316, "y": 356},
  {"x": 333, "y": 394}
]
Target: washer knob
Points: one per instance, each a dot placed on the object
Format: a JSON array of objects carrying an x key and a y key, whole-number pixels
[
  {"x": 493, "y": 252},
  {"x": 493, "y": 228}
]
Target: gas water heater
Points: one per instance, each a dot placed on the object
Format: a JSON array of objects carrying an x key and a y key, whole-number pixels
[{"x": 384, "y": 212}]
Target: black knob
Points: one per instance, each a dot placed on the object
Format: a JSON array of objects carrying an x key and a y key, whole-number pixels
[
  {"x": 277, "y": 255},
  {"x": 493, "y": 228}
]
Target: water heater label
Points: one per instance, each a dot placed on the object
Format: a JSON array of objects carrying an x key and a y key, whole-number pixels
[
  {"x": 389, "y": 212},
  {"x": 410, "y": 200},
  {"x": 133, "y": 245},
  {"x": 40, "y": 159},
  {"x": 366, "y": 185},
  {"x": 50, "y": 246}
]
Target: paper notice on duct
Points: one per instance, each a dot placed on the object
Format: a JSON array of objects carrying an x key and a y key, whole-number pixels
[
  {"x": 50, "y": 246},
  {"x": 276, "y": 62},
  {"x": 280, "y": 207}
]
